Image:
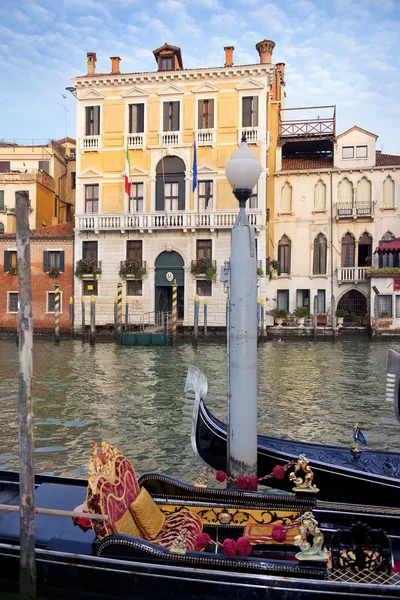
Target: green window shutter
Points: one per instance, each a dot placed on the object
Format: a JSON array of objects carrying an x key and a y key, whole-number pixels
[
  {"x": 200, "y": 120},
  {"x": 88, "y": 111},
  {"x": 45, "y": 261},
  {"x": 62, "y": 261},
  {"x": 6, "y": 261},
  {"x": 175, "y": 116},
  {"x": 165, "y": 116},
  {"x": 255, "y": 112},
  {"x": 140, "y": 118},
  {"x": 131, "y": 106},
  {"x": 96, "y": 120},
  {"x": 1, "y": 199},
  {"x": 211, "y": 114},
  {"x": 246, "y": 112}
]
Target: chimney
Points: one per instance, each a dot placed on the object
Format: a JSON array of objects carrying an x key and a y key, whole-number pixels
[
  {"x": 281, "y": 67},
  {"x": 115, "y": 60},
  {"x": 91, "y": 63},
  {"x": 265, "y": 49},
  {"x": 228, "y": 55}
]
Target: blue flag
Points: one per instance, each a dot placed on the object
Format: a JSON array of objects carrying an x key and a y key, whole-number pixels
[
  {"x": 194, "y": 168},
  {"x": 359, "y": 436}
]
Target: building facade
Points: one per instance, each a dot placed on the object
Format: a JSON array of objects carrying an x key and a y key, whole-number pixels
[
  {"x": 336, "y": 199},
  {"x": 51, "y": 263},
  {"x": 160, "y": 228},
  {"x": 47, "y": 172}
]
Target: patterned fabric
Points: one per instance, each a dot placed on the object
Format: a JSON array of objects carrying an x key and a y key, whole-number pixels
[
  {"x": 176, "y": 524},
  {"x": 127, "y": 526},
  {"x": 260, "y": 532},
  {"x": 147, "y": 515}
]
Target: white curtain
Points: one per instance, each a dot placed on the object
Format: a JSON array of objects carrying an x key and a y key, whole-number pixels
[
  {"x": 345, "y": 192},
  {"x": 320, "y": 197},
  {"x": 364, "y": 192},
  {"x": 286, "y": 198},
  {"x": 388, "y": 193}
]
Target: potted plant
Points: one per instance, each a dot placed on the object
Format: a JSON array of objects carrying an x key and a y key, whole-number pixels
[
  {"x": 301, "y": 313},
  {"x": 384, "y": 315},
  {"x": 260, "y": 272},
  {"x": 201, "y": 265},
  {"x": 341, "y": 314},
  {"x": 13, "y": 270},
  {"x": 132, "y": 266},
  {"x": 54, "y": 272},
  {"x": 210, "y": 273},
  {"x": 322, "y": 319},
  {"x": 273, "y": 268},
  {"x": 279, "y": 314},
  {"x": 87, "y": 266}
]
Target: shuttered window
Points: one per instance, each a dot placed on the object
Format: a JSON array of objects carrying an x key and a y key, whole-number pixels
[
  {"x": 92, "y": 198},
  {"x": 44, "y": 165},
  {"x": 1, "y": 199},
  {"x": 134, "y": 249},
  {"x": 320, "y": 252},
  {"x": 136, "y": 197},
  {"x": 53, "y": 258},
  {"x": 206, "y": 114},
  {"x": 284, "y": 251},
  {"x": 388, "y": 193},
  {"x": 89, "y": 251},
  {"x": 5, "y": 166},
  {"x": 348, "y": 251},
  {"x": 136, "y": 118},
  {"x": 320, "y": 197},
  {"x": 171, "y": 116},
  {"x": 205, "y": 195},
  {"x": 250, "y": 111},
  {"x": 92, "y": 120}
]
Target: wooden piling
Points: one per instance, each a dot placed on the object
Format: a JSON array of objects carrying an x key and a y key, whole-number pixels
[
  {"x": 262, "y": 319},
  {"x": 115, "y": 316},
  {"x": 119, "y": 312},
  {"x": 126, "y": 314},
  {"x": 57, "y": 313},
  {"x": 315, "y": 317},
  {"x": 258, "y": 317},
  {"x": 174, "y": 310},
  {"x": 196, "y": 318},
  {"x": 205, "y": 316},
  {"x": 92, "y": 319},
  {"x": 27, "y": 566},
  {"x": 71, "y": 317},
  {"x": 333, "y": 317},
  {"x": 83, "y": 318}
]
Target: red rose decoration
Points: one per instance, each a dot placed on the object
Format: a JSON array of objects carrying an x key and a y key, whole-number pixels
[
  {"x": 242, "y": 482},
  {"x": 220, "y": 476},
  {"x": 229, "y": 548},
  {"x": 278, "y": 472},
  {"x": 243, "y": 546},
  {"x": 252, "y": 482},
  {"x": 202, "y": 540},
  {"x": 278, "y": 533}
]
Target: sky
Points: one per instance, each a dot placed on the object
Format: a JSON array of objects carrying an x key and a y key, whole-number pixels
[{"x": 342, "y": 52}]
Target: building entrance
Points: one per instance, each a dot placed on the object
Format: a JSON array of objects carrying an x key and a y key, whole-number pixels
[{"x": 169, "y": 267}]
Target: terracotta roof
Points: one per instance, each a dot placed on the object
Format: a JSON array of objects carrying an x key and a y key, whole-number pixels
[
  {"x": 297, "y": 163},
  {"x": 386, "y": 160},
  {"x": 119, "y": 75},
  {"x": 54, "y": 232}
]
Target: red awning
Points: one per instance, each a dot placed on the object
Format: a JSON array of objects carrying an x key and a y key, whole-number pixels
[{"x": 393, "y": 246}]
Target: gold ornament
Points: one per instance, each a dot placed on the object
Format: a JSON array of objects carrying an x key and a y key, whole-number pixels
[{"x": 307, "y": 484}]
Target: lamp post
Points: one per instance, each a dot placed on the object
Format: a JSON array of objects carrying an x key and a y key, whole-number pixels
[{"x": 242, "y": 171}]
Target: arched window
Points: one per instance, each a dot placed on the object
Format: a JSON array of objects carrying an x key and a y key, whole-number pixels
[
  {"x": 2, "y": 227},
  {"x": 284, "y": 252},
  {"x": 345, "y": 195},
  {"x": 364, "y": 197},
  {"x": 170, "y": 186},
  {"x": 286, "y": 198},
  {"x": 348, "y": 250},
  {"x": 365, "y": 250},
  {"x": 388, "y": 193},
  {"x": 389, "y": 259},
  {"x": 387, "y": 237},
  {"x": 320, "y": 252},
  {"x": 320, "y": 197}
]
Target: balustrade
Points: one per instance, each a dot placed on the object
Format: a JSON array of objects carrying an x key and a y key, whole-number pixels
[
  {"x": 91, "y": 143},
  {"x": 351, "y": 274}
]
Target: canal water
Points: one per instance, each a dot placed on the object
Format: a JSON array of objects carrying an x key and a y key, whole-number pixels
[{"x": 133, "y": 397}]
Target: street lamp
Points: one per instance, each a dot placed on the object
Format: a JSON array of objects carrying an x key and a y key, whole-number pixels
[{"x": 242, "y": 171}]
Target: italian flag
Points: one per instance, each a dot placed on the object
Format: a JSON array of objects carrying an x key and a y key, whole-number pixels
[{"x": 127, "y": 171}]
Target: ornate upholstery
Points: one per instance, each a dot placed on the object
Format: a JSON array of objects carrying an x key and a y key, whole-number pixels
[
  {"x": 183, "y": 522},
  {"x": 147, "y": 515}
]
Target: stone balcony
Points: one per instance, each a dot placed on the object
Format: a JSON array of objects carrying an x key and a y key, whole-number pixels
[
  {"x": 350, "y": 210},
  {"x": 351, "y": 275},
  {"x": 148, "y": 222},
  {"x": 91, "y": 143}
]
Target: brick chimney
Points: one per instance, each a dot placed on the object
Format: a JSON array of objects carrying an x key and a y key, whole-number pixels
[
  {"x": 228, "y": 55},
  {"x": 115, "y": 60},
  {"x": 265, "y": 49},
  {"x": 281, "y": 67},
  {"x": 91, "y": 63}
]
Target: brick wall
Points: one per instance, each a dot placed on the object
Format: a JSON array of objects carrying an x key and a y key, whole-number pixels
[{"x": 41, "y": 284}]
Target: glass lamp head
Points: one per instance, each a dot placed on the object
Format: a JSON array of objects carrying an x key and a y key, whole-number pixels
[{"x": 243, "y": 171}]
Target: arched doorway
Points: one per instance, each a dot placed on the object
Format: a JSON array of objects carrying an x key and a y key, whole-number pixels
[
  {"x": 169, "y": 267},
  {"x": 355, "y": 303}
]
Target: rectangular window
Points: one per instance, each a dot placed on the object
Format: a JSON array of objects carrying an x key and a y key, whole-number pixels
[
  {"x": 136, "y": 118},
  {"x": 303, "y": 298},
  {"x": 171, "y": 191},
  {"x": 10, "y": 261},
  {"x": 385, "y": 305},
  {"x": 253, "y": 200},
  {"x": 53, "y": 259},
  {"x": 166, "y": 63},
  {"x": 51, "y": 302},
  {"x": 250, "y": 111},
  {"x": 5, "y": 166},
  {"x": 203, "y": 287},
  {"x": 44, "y": 165},
  {"x": 134, "y": 287},
  {"x": 171, "y": 116},
  {"x": 204, "y": 249},
  {"x": 1, "y": 199},
  {"x": 89, "y": 251},
  {"x": 321, "y": 301},
  {"x": 348, "y": 152},
  {"x": 361, "y": 151},
  {"x": 205, "y": 195},
  {"x": 92, "y": 198},
  {"x": 13, "y": 301},
  {"x": 205, "y": 114},
  {"x": 89, "y": 287},
  {"x": 92, "y": 120},
  {"x": 397, "y": 307},
  {"x": 73, "y": 181},
  {"x": 136, "y": 197},
  {"x": 282, "y": 299},
  {"x": 134, "y": 249}
]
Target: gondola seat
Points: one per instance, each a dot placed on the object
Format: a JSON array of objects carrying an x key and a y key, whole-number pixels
[{"x": 113, "y": 490}]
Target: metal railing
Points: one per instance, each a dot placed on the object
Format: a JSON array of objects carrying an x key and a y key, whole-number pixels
[
  {"x": 351, "y": 274},
  {"x": 139, "y": 264},
  {"x": 199, "y": 269},
  {"x": 163, "y": 220},
  {"x": 358, "y": 209},
  {"x": 156, "y": 320}
]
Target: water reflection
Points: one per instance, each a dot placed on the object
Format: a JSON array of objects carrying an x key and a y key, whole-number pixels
[{"x": 133, "y": 397}]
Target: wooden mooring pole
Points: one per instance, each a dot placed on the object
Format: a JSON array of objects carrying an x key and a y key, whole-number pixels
[
  {"x": 262, "y": 319},
  {"x": 315, "y": 317},
  {"x": 126, "y": 314},
  {"x": 71, "y": 316},
  {"x": 119, "y": 301},
  {"x": 92, "y": 319},
  {"x": 27, "y": 565},
  {"x": 57, "y": 313},
  {"x": 196, "y": 318},
  {"x": 205, "y": 316},
  {"x": 174, "y": 310},
  {"x": 83, "y": 318}
]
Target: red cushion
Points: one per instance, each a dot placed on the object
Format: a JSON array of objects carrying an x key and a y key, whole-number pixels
[{"x": 177, "y": 523}]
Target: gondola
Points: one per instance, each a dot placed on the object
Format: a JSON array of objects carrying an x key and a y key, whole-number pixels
[
  {"x": 356, "y": 548},
  {"x": 345, "y": 475}
]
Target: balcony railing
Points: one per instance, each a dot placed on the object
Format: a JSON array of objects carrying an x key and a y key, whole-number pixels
[
  {"x": 206, "y": 137},
  {"x": 359, "y": 209},
  {"x": 200, "y": 266},
  {"x": 162, "y": 220},
  {"x": 363, "y": 209},
  {"x": 351, "y": 274},
  {"x": 303, "y": 122},
  {"x": 170, "y": 138},
  {"x": 91, "y": 143},
  {"x": 253, "y": 135},
  {"x": 135, "y": 141}
]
